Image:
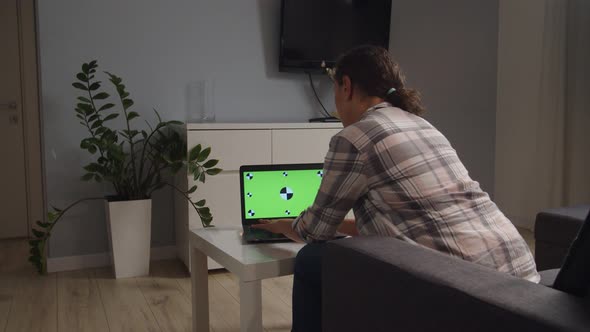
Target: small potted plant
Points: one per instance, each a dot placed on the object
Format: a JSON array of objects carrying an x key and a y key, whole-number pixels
[{"x": 135, "y": 162}]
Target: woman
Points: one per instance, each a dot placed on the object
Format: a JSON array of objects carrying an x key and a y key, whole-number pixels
[{"x": 402, "y": 179}]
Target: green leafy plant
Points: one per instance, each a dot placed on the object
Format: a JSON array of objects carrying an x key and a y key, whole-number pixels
[{"x": 134, "y": 161}]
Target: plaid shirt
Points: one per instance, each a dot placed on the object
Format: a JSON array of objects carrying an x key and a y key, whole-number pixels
[{"x": 402, "y": 178}]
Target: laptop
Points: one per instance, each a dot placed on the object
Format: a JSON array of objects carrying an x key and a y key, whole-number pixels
[{"x": 276, "y": 192}]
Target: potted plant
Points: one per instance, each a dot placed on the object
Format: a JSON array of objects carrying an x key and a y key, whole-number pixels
[{"x": 135, "y": 162}]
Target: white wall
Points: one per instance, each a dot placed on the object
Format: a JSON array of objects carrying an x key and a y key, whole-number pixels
[
  {"x": 157, "y": 48},
  {"x": 519, "y": 78},
  {"x": 448, "y": 49}
]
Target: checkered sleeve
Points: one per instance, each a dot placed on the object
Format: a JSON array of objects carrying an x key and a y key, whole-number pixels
[{"x": 343, "y": 183}]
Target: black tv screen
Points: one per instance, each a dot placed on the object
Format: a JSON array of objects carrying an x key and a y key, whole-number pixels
[{"x": 314, "y": 31}]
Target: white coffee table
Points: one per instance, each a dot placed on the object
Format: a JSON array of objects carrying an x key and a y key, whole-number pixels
[{"x": 250, "y": 262}]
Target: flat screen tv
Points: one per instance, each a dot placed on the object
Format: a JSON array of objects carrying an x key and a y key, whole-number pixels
[{"x": 316, "y": 31}]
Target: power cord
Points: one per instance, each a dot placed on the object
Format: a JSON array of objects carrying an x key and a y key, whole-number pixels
[{"x": 326, "y": 113}]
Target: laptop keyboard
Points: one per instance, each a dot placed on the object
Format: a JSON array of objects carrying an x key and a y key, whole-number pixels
[{"x": 260, "y": 233}]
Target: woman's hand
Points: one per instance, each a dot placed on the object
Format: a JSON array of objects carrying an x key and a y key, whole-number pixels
[
  {"x": 348, "y": 227},
  {"x": 279, "y": 226}
]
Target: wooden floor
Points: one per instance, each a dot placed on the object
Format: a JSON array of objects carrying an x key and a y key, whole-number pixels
[{"x": 91, "y": 300}]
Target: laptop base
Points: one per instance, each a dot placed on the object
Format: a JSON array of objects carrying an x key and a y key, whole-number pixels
[{"x": 252, "y": 235}]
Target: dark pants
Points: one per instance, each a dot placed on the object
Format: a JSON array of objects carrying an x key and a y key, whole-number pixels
[{"x": 307, "y": 289}]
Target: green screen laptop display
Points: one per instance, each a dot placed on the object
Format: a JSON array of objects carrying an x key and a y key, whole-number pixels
[{"x": 279, "y": 193}]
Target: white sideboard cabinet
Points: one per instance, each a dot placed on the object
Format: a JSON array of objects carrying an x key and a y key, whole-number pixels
[{"x": 236, "y": 145}]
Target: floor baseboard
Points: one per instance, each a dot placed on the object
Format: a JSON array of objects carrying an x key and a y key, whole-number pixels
[{"x": 68, "y": 263}]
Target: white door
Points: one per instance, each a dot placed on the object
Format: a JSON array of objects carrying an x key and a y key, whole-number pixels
[{"x": 13, "y": 216}]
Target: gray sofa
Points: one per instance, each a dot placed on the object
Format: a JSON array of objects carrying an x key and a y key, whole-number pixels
[
  {"x": 555, "y": 229},
  {"x": 383, "y": 284}
]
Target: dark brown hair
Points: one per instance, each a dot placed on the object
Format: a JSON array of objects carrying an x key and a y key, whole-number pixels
[{"x": 374, "y": 72}]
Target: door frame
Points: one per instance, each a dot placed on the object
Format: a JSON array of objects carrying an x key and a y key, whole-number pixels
[{"x": 30, "y": 92}]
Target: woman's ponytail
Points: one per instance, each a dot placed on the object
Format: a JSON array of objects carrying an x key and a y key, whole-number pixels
[{"x": 406, "y": 99}]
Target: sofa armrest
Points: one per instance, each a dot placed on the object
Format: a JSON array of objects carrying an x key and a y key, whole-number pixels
[
  {"x": 383, "y": 284},
  {"x": 555, "y": 230}
]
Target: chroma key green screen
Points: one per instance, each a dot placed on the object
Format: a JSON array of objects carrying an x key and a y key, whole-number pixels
[{"x": 279, "y": 194}]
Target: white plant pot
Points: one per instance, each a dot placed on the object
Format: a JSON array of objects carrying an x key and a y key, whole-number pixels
[{"x": 129, "y": 226}]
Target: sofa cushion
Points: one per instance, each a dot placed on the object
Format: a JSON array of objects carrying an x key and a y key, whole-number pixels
[
  {"x": 574, "y": 276},
  {"x": 555, "y": 230},
  {"x": 560, "y": 225},
  {"x": 548, "y": 277}
]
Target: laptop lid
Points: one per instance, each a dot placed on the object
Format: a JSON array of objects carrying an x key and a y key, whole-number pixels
[{"x": 277, "y": 191}]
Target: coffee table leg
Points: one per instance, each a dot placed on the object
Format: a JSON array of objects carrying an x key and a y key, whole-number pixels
[
  {"x": 200, "y": 291},
  {"x": 250, "y": 306}
]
